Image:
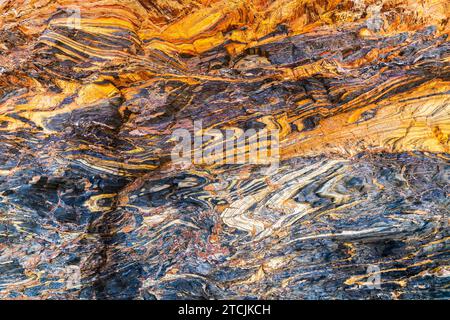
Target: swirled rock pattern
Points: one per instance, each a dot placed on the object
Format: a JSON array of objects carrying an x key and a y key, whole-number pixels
[{"x": 92, "y": 91}]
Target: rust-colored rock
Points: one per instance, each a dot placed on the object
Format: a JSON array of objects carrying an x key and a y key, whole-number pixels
[{"x": 92, "y": 93}]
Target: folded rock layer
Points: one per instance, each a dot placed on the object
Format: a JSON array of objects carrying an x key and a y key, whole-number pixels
[{"x": 92, "y": 93}]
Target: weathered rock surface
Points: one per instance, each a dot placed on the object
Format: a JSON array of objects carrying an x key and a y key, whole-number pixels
[{"x": 91, "y": 93}]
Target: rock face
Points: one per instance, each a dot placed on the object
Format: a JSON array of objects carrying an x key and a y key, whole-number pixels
[{"x": 93, "y": 205}]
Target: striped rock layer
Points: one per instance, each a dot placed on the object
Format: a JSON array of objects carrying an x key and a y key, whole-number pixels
[{"x": 92, "y": 91}]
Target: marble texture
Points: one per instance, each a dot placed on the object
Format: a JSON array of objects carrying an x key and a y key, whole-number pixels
[{"x": 91, "y": 93}]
